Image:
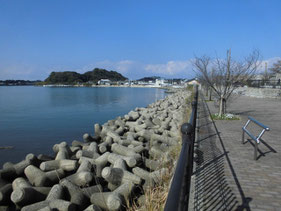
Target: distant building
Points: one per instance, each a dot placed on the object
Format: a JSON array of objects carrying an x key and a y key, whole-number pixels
[
  {"x": 104, "y": 82},
  {"x": 192, "y": 81},
  {"x": 278, "y": 76},
  {"x": 159, "y": 82}
]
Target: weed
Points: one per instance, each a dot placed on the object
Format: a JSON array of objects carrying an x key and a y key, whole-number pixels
[{"x": 225, "y": 117}]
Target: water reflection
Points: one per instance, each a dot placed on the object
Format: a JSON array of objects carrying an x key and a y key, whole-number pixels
[{"x": 78, "y": 96}]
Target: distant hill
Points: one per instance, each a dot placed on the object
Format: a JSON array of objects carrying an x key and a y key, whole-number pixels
[
  {"x": 152, "y": 78},
  {"x": 93, "y": 76}
]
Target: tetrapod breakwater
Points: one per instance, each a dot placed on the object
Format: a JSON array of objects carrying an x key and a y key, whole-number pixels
[{"x": 110, "y": 170}]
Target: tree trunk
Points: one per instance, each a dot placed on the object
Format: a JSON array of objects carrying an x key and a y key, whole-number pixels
[
  {"x": 222, "y": 107},
  {"x": 210, "y": 94},
  {"x": 206, "y": 90}
]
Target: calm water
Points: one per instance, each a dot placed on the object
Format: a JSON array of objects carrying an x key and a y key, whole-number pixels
[{"x": 33, "y": 119}]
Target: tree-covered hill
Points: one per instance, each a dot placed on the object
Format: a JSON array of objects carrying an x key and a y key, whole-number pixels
[
  {"x": 152, "y": 78},
  {"x": 93, "y": 76}
]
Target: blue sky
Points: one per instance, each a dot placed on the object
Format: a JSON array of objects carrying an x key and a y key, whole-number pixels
[{"x": 135, "y": 38}]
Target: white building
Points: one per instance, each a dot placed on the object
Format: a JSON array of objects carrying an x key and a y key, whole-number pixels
[{"x": 104, "y": 82}]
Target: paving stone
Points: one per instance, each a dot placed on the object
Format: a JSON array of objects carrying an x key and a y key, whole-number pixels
[{"x": 226, "y": 177}]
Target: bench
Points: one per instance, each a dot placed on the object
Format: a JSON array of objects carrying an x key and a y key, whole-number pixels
[{"x": 255, "y": 138}]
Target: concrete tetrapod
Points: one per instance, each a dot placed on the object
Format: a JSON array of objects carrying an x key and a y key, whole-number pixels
[
  {"x": 118, "y": 176},
  {"x": 5, "y": 193},
  {"x": 39, "y": 178},
  {"x": 66, "y": 165},
  {"x": 15, "y": 170},
  {"x": 107, "y": 200},
  {"x": 24, "y": 194},
  {"x": 76, "y": 194}
]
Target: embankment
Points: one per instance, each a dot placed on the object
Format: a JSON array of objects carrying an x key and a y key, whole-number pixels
[
  {"x": 108, "y": 171},
  {"x": 259, "y": 92}
]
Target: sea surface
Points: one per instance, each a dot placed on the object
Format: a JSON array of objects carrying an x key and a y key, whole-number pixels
[{"x": 33, "y": 119}]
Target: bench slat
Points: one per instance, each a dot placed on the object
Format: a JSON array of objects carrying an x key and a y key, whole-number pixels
[{"x": 258, "y": 123}]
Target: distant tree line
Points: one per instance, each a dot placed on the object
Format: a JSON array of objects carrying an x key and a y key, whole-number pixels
[
  {"x": 147, "y": 79},
  {"x": 18, "y": 82},
  {"x": 93, "y": 76},
  {"x": 153, "y": 79}
]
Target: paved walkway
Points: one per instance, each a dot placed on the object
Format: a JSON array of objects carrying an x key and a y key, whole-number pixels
[{"x": 226, "y": 177}]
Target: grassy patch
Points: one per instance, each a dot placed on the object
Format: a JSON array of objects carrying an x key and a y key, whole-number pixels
[{"x": 225, "y": 117}]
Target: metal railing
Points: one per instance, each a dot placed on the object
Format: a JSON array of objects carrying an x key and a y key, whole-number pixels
[
  {"x": 256, "y": 139},
  {"x": 178, "y": 196}
]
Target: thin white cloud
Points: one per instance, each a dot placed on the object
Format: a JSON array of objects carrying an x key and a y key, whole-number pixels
[
  {"x": 269, "y": 62},
  {"x": 20, "y": 71},
  {"x": 123, "y": 66},
  {"x": 170, "y": 68}
]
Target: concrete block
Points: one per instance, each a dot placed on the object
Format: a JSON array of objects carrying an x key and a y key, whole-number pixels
[
  {"x": 42, "y": 157},
  {"x": 35, "y": 206},
  {"x": 97, "y": 129},
  {"x": 20, "y": 182},
  {"x": 118, "y": 176},
  {"x": 82, "y": 178},
  {"x": 100, "y": 163},
  {"x": 93, "y": 208},
  {"x": 151, "y": 164},
  {"x": 88, "y": 138},
  {"x": 56, "y": 192},
  {"x": 39, "y": 178},
  {"x": 85, "y": 166},
  {"x": 86, "y": 153},
  {"x": 26, "y": 196},
  {"x": 130, "y": 161},
  {"x": 5, "y": 193},
  {"x": 15, "y": 170},
  {"x": 125, "y": 151},
  {"x": 125, "y": 189},
  {"x": 107, "y": 200},
  {"x": 120, "y": 163},
  {"x": 76, "y": 195},
  {"x": 62, "y": 205},
  {"x": 88, "y": 191},
  {"x": 80, "y": 144},
  {"x": 66, "y": 165}
]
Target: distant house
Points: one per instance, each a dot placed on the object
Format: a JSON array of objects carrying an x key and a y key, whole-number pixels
[
  {"x": 159, "y": 82},
  {"x": 192, "y": 81},
  {"x": 104, "y": 82},
  {"x": 278, "y": 76}
]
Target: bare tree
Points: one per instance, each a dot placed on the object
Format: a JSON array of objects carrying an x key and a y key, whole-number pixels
[
  {"x": 223, "y": 75},
  {"x": 276, "y": 67}
]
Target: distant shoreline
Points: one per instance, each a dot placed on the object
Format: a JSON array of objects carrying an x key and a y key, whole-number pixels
[{"x": 122, "y": 86}]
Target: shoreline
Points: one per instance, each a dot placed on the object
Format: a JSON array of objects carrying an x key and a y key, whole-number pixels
[{"x": 123, "y": 86}]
